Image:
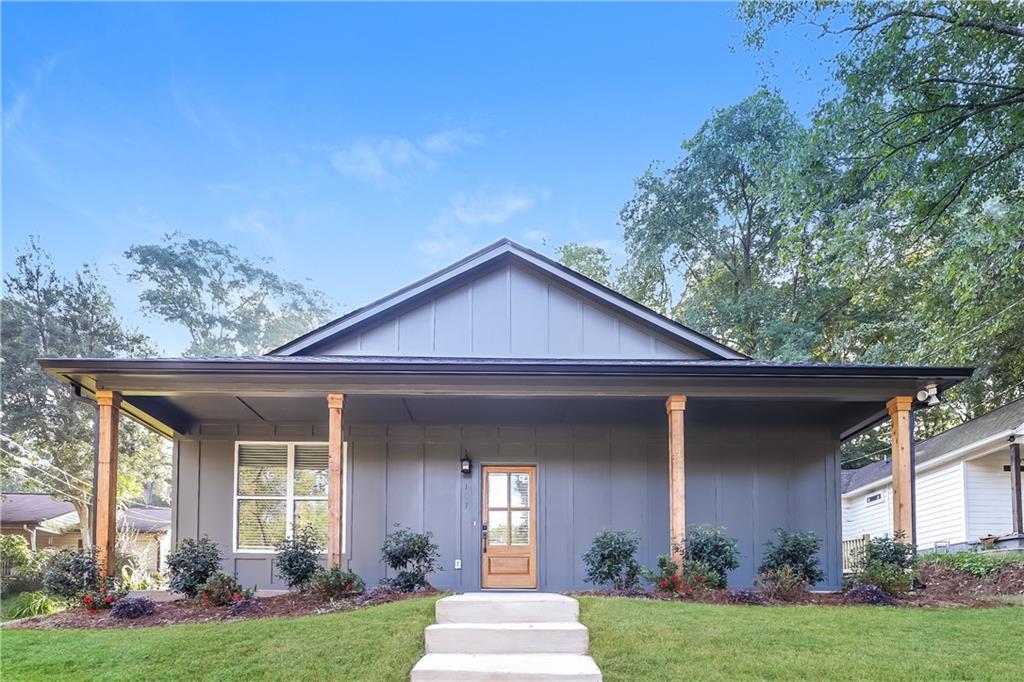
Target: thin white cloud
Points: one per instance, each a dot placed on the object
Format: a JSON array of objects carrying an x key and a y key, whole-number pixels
[
  {"x": 13, "y": 115},
  {"x": 488, "y": 207},
  {"x": 539, "y": 237},
  {"x": 383, "y": 161},
  {"x": 252, "y": 222}
]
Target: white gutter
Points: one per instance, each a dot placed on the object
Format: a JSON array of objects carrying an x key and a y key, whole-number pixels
[{"x": 987, "y": 445}]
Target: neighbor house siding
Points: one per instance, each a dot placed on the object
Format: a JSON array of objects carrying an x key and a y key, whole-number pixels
[
  {"x": 749, "y": 479},
  {"x": 940, "y": 506},
  {"x": 988, "y": 496},
  {"x": 509, "y": 312},
  {"x": 862, "y": 518}
]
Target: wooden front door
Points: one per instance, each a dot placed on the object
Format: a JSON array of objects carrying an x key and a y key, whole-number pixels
[{"x": 510, "y": 527}]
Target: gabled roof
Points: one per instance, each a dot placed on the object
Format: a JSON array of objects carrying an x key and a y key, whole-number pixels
[
  {"x": 32, "y": 508},
  {"x": 997, "y": 424},
  {"x": 502, "y": 251}
]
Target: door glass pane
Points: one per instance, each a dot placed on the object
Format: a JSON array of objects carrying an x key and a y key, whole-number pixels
[
  {"x": 497, "y": 528},
  {"x": 520, "y": 490},
  {"x": 312, "y": 513},
  {"x": 497, "y": 491},
  {"x": 520, "y": 528}
]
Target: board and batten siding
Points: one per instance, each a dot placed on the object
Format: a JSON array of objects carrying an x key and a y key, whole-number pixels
[
  {"x": 509, "y": 312},
  {"x": 988, "y": 496},
  {"x": 589, "y": 478}
]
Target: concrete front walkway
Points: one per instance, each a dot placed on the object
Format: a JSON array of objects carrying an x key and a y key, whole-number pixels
[{"x": 507, "y": 636}]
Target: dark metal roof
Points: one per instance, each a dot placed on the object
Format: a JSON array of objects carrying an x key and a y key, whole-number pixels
[
  {"x": 470, "y": 365},
  {"x": 146, "y": 519},
  {"x": 31, "y": 508},
  {"x": 501, "y": 251},
  {"x": 1001, "y": 420}
]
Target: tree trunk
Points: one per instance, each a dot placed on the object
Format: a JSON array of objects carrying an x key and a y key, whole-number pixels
[{"x": 84, "y": 521}]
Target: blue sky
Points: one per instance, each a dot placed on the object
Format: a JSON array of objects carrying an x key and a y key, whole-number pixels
[{"x": 361, "y": 146}]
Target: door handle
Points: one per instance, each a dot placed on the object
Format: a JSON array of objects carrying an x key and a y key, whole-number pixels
[{"x": 483, "y": 536}]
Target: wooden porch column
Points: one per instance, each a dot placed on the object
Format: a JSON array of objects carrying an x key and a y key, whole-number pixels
[
  {"x": 335, "y": 476},
  {"x": 902, "y": 466},
  {"x": 1015, "y": 496},
  {"x": 676, "y": 408},
  {"x": 108, "y": 404}
]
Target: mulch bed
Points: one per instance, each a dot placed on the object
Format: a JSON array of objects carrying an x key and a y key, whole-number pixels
[{"x": 185, "y": 611}]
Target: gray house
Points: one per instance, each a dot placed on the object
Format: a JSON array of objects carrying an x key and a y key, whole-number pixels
[{"x": 513, "y": 408}]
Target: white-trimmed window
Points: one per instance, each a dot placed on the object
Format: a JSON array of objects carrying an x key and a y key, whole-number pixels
[{"x": 278, "y": 487}]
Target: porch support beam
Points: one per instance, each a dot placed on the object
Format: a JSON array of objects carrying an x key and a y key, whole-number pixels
[
  {"x": 675, "y": 406},
  {"x": 335, "y": 476},
  {"x": 1015, "y": 493},
  {"x": 903, "y": 473},
  {"x": 105, "y": 488}
]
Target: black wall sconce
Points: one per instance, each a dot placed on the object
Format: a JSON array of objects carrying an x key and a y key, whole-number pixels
[{"x": 466, "y": 464}]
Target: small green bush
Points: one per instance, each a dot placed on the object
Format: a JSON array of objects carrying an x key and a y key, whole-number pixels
[
  {"x": 414, "y": 555},
  {"x": 28, "y": 604},
  {"x": 335, "y": 583},
  {"x": 975, "y": 563},
  {"x": 712, "y": 547},
  {"x": 103, "y": 596},
  {"x": 298, "y": 557},
  {"x": 798, "y": 551},
  {"x": 611, "y": 559},
  {"x": 221, "y": 589},
  {"x": 890, "y": 551},
  {"x": 695, "y": 576},
  {"x": 68, "y": 573},
  {"x": 785, "y": 583},
  {"x": 891, "y": 578},
  {"x": 15, "y": 551},
  {"x": 191, "y": 564}
]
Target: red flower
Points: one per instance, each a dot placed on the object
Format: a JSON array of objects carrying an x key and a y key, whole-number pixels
[
  {"x": 664, "y": 583},
  {"x": 108, "y": 599},
  {"x": 236, "y": 597},
  {"x": 92, "y": 612},
  {"x": 689, "y": 591},
  {"x": 88, "y": 599}
]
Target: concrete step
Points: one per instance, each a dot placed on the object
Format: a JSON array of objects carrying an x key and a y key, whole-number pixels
[
  {"x": 505, "y": 667},
  {"x": 507, "y": 607},
  {"x": 507, "y": 638}
]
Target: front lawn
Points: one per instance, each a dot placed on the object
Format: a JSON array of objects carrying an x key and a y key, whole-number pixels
[
  {"x": 652, "y": 640},
  {"x": 631, "y": 639}
]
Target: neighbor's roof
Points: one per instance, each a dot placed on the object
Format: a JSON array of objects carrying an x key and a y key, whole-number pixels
[
  {"x": 502, "y": 251},
  {"x": 32, "y": 508},
  {"x": 37, "y": 508},
  {"x": 1002, "y": 421}
]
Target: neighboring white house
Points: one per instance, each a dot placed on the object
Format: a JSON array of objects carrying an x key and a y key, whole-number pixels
[{"x": 964, "y": 490}]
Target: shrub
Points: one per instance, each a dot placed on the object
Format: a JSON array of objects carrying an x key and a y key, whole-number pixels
[
  {"x": 784, "y": 583},
  {"x": 890, "y": 578},
  {"x": 748, "y": 597},
  {"x": 221, "y": 589},
  {"x": 413, "y": 555},
  {"x": 102, "y": 597},
  {"x": 130, "y": 608},
  {"x": 381, "y": 594},
  {"x": 610, "y": 559},
  {"x": 15, "y": 551},
  {"x": 695, "y": 576},
  {"x": 135, "y": 577},
  {"x": 799, "y": 551},
  {"x": 868, "y": 594},
  {"x": 712, "y": 547},
  {"x": 334, "y": 583},
  {"x": 69, "y": 573},
  {"x": 298, "y": 557},
  {"x": 890, "y": 551},
  {"x": 191, "y": 564},
  {"x": 244, "y": 607},
  {"x": 28, "y": 604}
]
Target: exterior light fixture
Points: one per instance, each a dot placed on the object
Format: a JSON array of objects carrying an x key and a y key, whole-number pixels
[{"x": 466, "y": 464}]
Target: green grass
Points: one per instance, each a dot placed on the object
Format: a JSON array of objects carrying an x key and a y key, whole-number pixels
[
  {"x": 379, "y": 643},
  {"x": 630, "y": 639},
  {"x": 633, "y": 640}
]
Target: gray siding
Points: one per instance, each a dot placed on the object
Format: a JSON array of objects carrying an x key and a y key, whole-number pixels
[
  {"x": 509, "y": 312},
  {"x": 750, "y": 479}
]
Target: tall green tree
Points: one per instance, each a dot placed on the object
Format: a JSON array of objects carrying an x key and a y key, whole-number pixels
[
  {"x": 47, "y": 436},
  {"x": 586, "y": 259},
  {"x": 228, "y": 303},
  {"x": 928, "y": 97}
]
